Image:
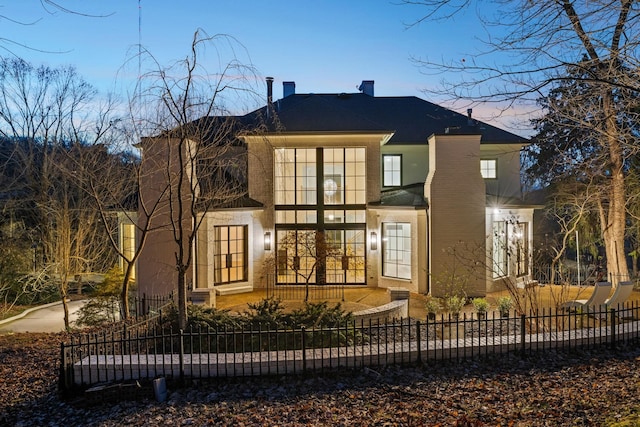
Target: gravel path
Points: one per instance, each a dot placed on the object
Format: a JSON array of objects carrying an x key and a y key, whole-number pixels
[{"x": 588, "y": 389}]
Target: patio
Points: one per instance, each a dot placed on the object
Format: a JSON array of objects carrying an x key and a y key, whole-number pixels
[{"x": 361, "y": 298}]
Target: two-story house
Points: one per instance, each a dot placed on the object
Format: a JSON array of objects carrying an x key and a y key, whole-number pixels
[{"x": 388, "y": 191}]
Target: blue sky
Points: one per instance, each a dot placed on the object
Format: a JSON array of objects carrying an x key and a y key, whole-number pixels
[{"x": 322, "y": 45}]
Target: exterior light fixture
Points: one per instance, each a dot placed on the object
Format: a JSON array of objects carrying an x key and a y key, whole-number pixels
[
  {"x": 267, "y": 241},
  {"x": 374, "y": 241}
]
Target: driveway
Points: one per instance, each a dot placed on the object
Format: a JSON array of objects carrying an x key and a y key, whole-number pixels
[{"x": 48, "y": 318}]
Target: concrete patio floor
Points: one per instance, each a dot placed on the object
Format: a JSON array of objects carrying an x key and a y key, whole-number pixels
[{"x": 361, "y": 298}]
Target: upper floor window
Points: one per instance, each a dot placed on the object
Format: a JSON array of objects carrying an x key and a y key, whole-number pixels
[
  {"x": 344, "y": 174},
  {"x": 391, "y": 170},
  {"x": 310, "y": 176},
  {"x": 489, "y": 168}
]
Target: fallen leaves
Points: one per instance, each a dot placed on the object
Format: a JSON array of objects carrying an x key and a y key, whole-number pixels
[{"x": 550, "y": 389}]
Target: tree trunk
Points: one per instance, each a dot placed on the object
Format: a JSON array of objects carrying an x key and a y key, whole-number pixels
[
  {"x": 613, "y": 219},
  {"x": 65, "y": 307},
  {"x": 124, "y": 295},
  {"x": 182, "y": 299}
]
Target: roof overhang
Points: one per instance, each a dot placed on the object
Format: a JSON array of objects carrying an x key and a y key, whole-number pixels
[{"x": 285, "y": 138}]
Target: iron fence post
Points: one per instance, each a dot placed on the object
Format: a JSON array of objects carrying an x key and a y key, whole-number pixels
[
  {"x": 181, "y": 355},
  {"x": 522, "y": 333},
  {"x": 304, "y": 347},
  {"x": 419, "y": 358},
  {"x": 613, "y": 328},
  {"x": 66, "y": 373}
]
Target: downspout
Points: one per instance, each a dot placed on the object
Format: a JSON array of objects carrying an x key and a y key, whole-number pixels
[{"x": 428, "y": 247}]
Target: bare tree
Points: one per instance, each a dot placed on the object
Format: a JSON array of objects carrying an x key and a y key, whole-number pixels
[
  {"x": 528, "y": 49},
  {"x": 110, "y": 178},
  {"x": 48, "y": 6},
  {"x": 193, "y": 162},
  {"x": 633, "y": 204},
  {"x": 52, "y": 119}
]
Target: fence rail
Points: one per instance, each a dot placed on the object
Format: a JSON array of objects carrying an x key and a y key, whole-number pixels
[
  {"x": 145, "y": 353},
  {"x": 563, "y": 275},
  {"x": 304, "y": 292},
  {"x": 148, "y": 305}
]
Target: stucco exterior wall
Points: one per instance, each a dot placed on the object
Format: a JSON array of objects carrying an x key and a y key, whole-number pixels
[
  {"x": 455, "y": 192},
  {"x": 160, "y": 170},
  {"x": 508, "y": 167},
  {"x": 415, "y": 159}
]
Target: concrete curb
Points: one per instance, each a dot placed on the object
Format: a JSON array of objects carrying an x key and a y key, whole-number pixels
[{"x": 27, "y": 311}]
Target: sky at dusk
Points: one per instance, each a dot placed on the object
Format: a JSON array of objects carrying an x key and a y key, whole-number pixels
[{"x": 325, "y": 46}]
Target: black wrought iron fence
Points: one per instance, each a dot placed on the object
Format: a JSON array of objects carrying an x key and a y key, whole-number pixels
[
  {"x": 148, "y": 305},
  {"x": 144, "y": 353},
  {"x": 562, "y": 275},
  {"x": 304, "y": 292}
]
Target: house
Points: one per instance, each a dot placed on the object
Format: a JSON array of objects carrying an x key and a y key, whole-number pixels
[{"x": 391, "y": 191}]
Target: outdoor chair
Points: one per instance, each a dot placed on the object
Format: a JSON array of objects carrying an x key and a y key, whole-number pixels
[
  {"x": 598, "y": 298},
  {"x": 620, "y": 295}
]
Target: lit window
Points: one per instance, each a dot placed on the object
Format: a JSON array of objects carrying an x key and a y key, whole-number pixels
[
  {"x": 230, "y": 246},
  {"x": 392, "y": 170},
  {"x": 320, "y": 199},
  {"x": 396, "y": 249},
  {"x": 521, "y": 243},
  {"x": 488, "y": 168},
  {"x": 499, "y": 249}
]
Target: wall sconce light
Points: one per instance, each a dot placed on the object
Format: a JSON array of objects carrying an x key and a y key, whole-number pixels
[
  {"x": 267, "y": 241},
  {"x": 374, "y": 241}
]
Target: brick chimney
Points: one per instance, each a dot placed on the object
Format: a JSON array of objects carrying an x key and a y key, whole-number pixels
[
  {"x": 288, "y": 88},
  {"x": 366, "y": 87}
]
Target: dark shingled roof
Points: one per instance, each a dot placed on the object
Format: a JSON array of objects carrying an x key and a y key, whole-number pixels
[
  {"x": 242, "y": 202},
  {"x": 412, "y": 119},
  {"x": 409, "y": 195}
]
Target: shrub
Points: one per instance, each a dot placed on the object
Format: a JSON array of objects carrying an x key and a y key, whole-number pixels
[
  {"x": 504, "y": 305},
  {"x": 317, "y": 315},
  {"x": 256, "y": 328},
  {"x": 454, "y": 304},
  {"x": 98, "y": 311},
  {"x": 103, "y": 306},
  {"x": 201, "y": 318},
  {"x": 481, "y": 305},
  {"x": 432, "y": 305},
  {"x": 266, "y": 314}
]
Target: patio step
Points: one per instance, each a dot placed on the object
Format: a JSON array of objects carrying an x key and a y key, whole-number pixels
[{"x": 233, "y": 289}]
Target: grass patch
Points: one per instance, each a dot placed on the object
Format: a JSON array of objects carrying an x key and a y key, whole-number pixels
[
  {"x": 629, "y": 419},
  {"x": 7, "y": 312}
]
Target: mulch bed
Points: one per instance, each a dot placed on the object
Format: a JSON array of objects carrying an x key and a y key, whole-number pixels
[{"x": 570, "y": 389}]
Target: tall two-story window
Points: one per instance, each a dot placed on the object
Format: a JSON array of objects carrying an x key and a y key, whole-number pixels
[
  {"x": 320, "y": 214},
  {"x": 521, "y": 244},
  {"x": 231, "y": 253},
  {"x": 489, "y": 168},
  {"x": 396, "y": 249},
  {"x": 391, "y": 170},
  {"x": 499, "y": 250}
]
